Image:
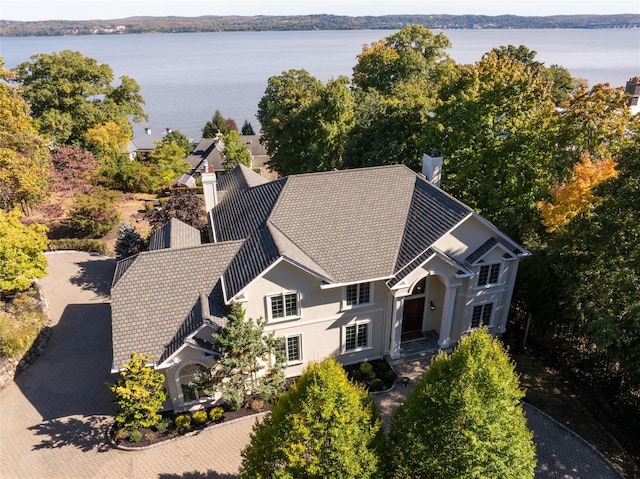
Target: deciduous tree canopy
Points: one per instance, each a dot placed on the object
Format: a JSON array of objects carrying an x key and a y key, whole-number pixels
[
  {"x": 21, "y": 252},
  {"x": 70, "y": 93},
  {"x": 322, "y": 426},
  {"x": 24, "y": 160},
  {"x": 464, "y": 418}
]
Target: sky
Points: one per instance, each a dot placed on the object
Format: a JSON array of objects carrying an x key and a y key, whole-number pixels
[{"x": 30, "y": 10}]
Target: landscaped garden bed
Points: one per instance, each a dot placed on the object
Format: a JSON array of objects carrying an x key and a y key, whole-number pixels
[
  {"x": 375, "y": 375},
  {"x": 173, "y": 425}
]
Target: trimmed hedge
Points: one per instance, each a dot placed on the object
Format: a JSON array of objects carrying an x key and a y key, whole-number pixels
[{"x": 78, "y": 244}]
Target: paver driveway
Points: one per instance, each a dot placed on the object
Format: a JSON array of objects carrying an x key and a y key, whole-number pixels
[{"x": 54, "y": 418}]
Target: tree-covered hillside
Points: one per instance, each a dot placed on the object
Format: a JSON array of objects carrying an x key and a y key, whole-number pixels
[{"x": 210, "y": 23}]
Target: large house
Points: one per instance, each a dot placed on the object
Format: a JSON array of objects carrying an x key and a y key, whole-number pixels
[{"x": 359, "y": 264}]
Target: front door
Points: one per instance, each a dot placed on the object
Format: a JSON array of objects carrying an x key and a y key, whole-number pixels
[{"x": 412, "y": 316}]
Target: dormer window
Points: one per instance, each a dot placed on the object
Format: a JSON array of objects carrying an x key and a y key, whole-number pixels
[
  {"x": 489, "y": 274},
  {"x": 357, "y": 295}
]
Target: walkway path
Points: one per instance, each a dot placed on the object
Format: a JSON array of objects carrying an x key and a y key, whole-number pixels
[{"x": 54, "y": 418}]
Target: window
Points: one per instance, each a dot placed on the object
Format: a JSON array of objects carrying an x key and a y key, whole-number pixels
[
  {"x": 291, "y": 348},
  {"x": 357, "y": 294},
  {"x": 284, "y": 306},
  {"x": 193, "y": 382},
  {"x": 481, "y": 315},
  {"x": 489, "y": 274},
  {"x": 356, "y": 336}
]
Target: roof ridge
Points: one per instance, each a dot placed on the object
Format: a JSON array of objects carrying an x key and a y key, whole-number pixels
[{"x": 350, "y": 170}]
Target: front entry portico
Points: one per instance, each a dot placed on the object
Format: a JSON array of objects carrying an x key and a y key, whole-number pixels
[{"x": 426, "y": 310}]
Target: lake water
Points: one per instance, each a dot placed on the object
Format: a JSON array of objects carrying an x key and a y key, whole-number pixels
[{"x": 185, "y": 77}]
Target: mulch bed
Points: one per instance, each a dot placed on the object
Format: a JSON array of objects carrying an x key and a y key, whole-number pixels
[{"x": 151, "y": 436}]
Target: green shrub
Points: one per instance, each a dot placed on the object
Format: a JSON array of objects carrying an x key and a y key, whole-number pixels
[
  {"x": 375, "y": 384},
  {"x": 183, "y": 421},
  {"x": 381, "y": 366},
  {"x": 163, "y": 425},
  {"x": 216, "y": 413},
  {"x": 95, "y": 214},
  {"x": 139, "y": 393},
  {"x": 199, "y": 417},
  {"x": 367, "y": 370},
  {"x": 78, "y": 244},
  {"x": 388, "y": 376},
  {"x": 135, "y": 436}
]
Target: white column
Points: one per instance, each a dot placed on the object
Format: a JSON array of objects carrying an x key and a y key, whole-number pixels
[
  {"x": 396, "y": 328},
  {"x": 447, "y": 317}
]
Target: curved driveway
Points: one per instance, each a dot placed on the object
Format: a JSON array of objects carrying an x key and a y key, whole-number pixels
[{"x": 54, "y": 417}]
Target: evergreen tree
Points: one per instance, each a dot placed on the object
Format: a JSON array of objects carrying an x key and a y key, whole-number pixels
[
  {"x": 324, "y": 426},
  {"x": 140, "y": 394},
  {"x": 217, "y": 125},
  {"x": 128, "y": 241},
  {"x": 250, "y": 362},
  {"x": 464, "y": 418},
  {"x": 247, "y": 129}
]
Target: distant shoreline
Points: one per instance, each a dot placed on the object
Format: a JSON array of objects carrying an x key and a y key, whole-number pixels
[{"x": 123, "y": 26}]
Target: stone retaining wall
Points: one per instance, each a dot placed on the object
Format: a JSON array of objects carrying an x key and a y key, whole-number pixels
[{"x": 11, "y": 367}]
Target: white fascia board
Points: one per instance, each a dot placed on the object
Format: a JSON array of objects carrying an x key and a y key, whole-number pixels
[
  {"x": 453, "y": 263},
  {"x": 266, "y": 270},
  {"x": 419, "y": 266},
  {"x": 340, "y": 285},
  {"x": 305, "y": 269},
  {"x": 170, "y": 362}
]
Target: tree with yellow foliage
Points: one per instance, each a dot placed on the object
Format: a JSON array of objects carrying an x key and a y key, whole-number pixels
[
  {"x": 576, "y": 195},
  {"x": 24, "y": 161}
]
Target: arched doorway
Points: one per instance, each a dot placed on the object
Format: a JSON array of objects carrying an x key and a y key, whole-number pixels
[
  {"x": 422, "y": 311},
  {"x": 413, "y": 313},
  {"x": 189, "y": 380}
]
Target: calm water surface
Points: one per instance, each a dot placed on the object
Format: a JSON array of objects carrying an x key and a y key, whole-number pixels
[{"x": 185, "y": 77}]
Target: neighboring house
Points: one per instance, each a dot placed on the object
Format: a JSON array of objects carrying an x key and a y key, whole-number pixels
[
  {"x": 141, "y": 145},
  {"x": 359, "y": 264},
  {"x": 209, "y": 153},
  {"x": 633, "y": 90},
  {"x": 185, "y": 181}
]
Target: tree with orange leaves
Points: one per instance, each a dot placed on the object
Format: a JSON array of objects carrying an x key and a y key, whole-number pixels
[{"x": 576, "y": 196}]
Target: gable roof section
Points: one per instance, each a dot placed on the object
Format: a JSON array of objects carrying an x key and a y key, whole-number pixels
[
  {"x": 257, "y": 253},
  {"x": 484, "y": 248},
  {"x": 174, "y": 234},
  {"x": 207, "y": 148},
  {"x": 432, "y": 213},
  {"x": 155, "y": 300}
]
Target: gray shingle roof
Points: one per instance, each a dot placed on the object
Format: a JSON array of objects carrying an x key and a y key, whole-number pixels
[
  {"x": 155, "y": 301},
  {"x": 432, "y": 213},
  {"x": 174, "y": 234},
  {"x": 346, "y": 226},
  {"x": 349, "y": 222},
  {"x": 207, "y": 148}
]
